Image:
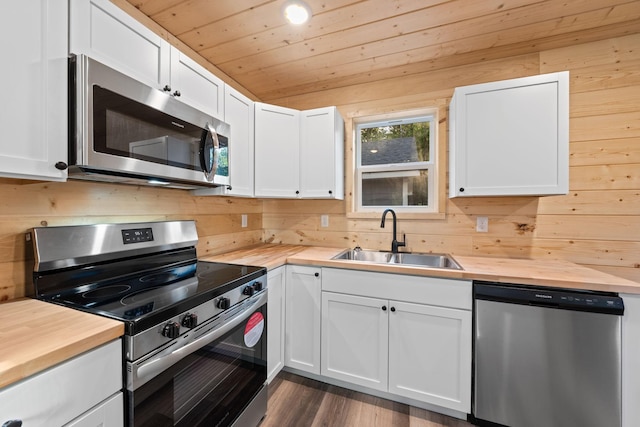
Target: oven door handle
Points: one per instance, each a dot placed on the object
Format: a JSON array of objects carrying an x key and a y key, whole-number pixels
[{"x": 149, "y": 370}]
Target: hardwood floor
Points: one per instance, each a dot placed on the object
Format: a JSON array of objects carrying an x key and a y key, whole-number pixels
[{"x": 296, "y": 401}]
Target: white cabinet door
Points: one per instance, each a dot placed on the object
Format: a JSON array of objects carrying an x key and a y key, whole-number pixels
[
  {"x": 101, "y": 30},
  {"x": 430, "y": 354},
  {"x": 302, "y": 319},
  {"x": 34, "y": 113},
  {"x": 510, "y": 138},
  {"x": 631, "y": 361},
  {"x": 321, "y": 154},
  {"x": 275, "y": 322},
  {"x": 60, "y": 394},
  {"x": 195, "y": 85},
  {"x": 277, "y": 151},
  {"x": 355, "y": 339},
  {"x": 108, "y": 414},
  {"x": 239, "y": 113}
]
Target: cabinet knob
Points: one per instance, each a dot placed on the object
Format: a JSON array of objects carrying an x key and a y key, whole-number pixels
[
  {"x": 166, "y": 88},
  {"x": 176, "y": 93},
  {"x": 297, "y": 191},
  {"x": 330, "y": 192},
  {"x": 12, "y": 423},
  {"x": 393, "y": 309},
  {"x": 461, "y": 189},
  {"x": 317, "y": 274},
  {"x": 384, "y": 308},
  {"x": 60, "y": 166}
]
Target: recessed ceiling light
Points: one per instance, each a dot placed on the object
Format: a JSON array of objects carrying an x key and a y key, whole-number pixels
[{"x": 296, "y": 12}]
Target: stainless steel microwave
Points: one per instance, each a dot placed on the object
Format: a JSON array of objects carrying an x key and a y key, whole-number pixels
[{"x": 124, "y": 131}]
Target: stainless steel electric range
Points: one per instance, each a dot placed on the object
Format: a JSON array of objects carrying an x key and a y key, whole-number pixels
[{"x": 195, "y": 344}]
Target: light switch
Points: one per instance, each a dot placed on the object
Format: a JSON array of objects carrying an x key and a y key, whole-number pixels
[
  {"x": 244, "y": 220},
  {"x": 324, "y": 220}
]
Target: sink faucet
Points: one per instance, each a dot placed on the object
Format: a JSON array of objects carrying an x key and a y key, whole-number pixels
[{"x": 394, "y": 243}]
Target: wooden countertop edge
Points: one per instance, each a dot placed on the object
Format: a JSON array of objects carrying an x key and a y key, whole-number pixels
[{"x": 30, "y": 350}]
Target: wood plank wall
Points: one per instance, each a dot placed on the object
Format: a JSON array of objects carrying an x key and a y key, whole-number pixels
[
  {"x": 25, "y": 204},
  {"x": 597, "y": 224}
]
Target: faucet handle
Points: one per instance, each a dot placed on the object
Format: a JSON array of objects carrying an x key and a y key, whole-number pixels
[{"x": 404, "y": 240}]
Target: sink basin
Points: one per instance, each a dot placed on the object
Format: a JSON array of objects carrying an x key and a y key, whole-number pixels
[
  {"x": 379, "y": 257},
  {"x": 426, "y": 260},
  {"x": 402, "y": 258}
]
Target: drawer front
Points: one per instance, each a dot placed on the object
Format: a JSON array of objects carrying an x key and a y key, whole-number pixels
[
  {"x": 441, "y": 292},
  {"x": 62, "y": 393}
]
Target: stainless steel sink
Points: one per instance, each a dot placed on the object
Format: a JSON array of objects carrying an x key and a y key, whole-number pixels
[
  {"x": 426, "y": 260},
  {"x": 379, "y": 257},
  {"x": 402, "y": 258}
]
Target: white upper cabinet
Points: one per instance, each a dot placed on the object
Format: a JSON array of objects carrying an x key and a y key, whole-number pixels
[
  {"x": 103, "y": 31},
  {"x": 238, "y": 113},
  {"x": 321, "y": 154},
  {"x": 195, "y": 85},
  {"x": 34, "y": 112},
  {"x": 299, "y": 154},
  {"x": 510, "y": 138},
  {"x": 277, "y": 151}
]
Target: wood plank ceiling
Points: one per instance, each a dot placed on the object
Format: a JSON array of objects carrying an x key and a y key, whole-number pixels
[{"x": 348, "y": 42}]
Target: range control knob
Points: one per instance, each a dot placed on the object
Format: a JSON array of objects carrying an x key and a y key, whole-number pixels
[
  {"x": 248, "y": 290},
  {"x": 223, "y": 303},
  {"x": 257, "y": 286},
  {"x": 171, "y": 330},
  {"x": 190, "y": 320}
]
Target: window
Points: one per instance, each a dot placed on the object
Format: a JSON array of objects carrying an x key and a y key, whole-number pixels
[{"x": 395, "y": 164}]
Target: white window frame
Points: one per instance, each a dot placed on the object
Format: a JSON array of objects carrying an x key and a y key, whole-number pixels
[{"x": 399, "y": 169}]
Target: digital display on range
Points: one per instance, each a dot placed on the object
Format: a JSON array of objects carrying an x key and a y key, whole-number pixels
[{"x": 137, "y": 235}]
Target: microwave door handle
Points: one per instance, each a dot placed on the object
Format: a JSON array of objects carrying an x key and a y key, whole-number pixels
[
  {"x": 149, "y": 370},
  {"x": 209, "y": 164}
]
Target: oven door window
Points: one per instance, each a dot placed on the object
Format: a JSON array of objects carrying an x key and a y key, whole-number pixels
[
  {"x": 126, "y": 128},
  {"x": 210, "y": 387}
]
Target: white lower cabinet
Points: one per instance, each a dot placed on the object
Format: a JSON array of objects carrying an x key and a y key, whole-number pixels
[
  {"x": 275, "y": 322},
  {"x": 406, "y": 335},
  {"x": 302, "y": 319},
  {"x": 430, "y": 354},
  {"x": 355, "y": 339},
  {"x": 85, "y": 391}
]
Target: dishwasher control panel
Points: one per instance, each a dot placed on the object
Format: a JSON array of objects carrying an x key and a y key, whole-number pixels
[{"x": 599, "y": 302}]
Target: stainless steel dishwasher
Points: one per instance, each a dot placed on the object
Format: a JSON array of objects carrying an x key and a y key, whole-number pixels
[{"x": 546, "y": 357}]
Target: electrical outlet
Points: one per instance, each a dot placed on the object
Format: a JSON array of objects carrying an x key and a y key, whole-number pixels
[
  {"x": 324, "y": 220},
  {"x": 482, "y": 224},
  {"x": 244, "y": 220}
]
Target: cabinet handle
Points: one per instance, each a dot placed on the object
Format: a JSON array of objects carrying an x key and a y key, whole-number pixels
[
  {"x": 60, "y": 166},
  {"x": 393, "y": 309},
  {"x": 316, "y": 274},
  {"x": 462, "y": 189},
  {"x": 384, "y": 308},
  {"x": 12, "y": 423},
  {"x": 176, "y": 93},
  {"x": 166, "y": 88}
]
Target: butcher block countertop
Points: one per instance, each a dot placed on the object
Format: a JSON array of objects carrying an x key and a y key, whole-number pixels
[
  {"x": 553, "y": 273},
  {"x": 36, "y": 335}
]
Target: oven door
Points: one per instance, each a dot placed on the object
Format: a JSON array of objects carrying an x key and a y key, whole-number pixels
[{"x": 208, "y": 377}]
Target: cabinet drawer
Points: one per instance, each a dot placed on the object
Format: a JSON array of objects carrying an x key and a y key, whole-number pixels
[
  {"x": 452, "y": 293},
  {"x": 62, "y": 393}
]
